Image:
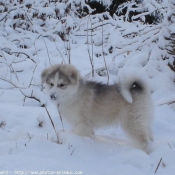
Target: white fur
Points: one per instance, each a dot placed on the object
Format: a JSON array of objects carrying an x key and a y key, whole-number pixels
[{"x": 89, "y": 105}]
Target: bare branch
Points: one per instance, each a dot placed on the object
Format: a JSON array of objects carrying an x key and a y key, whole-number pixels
[
  {"x": 90, "y": 55},
  {"x": 58, "y": 141},
  {"x": 69, "y": 48},
  {"x": 15, "y": 86},
  {"x": 3, "y": 54},
  {"x": 1, "y": 94},
  {"x": 158, "y": 165},
  {"x": 104, "y": 57},
  {"x": 31, "y": 97},
  {"x": 169, "y": 145},
  {"x": 61, "y": 119},
  {"x": 59, "y": 51},
  {"x": 32, "y": 75},
  {"x": 35, "y": 46},
  {"x": 24, "y": 54},
  {"x": 99, "y": 25},
  {"x": 47, "y": 51},
  {"x": 168, "y": 103}
]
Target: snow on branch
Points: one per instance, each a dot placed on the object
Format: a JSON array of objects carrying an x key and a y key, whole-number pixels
[{"x": 37, "y": 34}]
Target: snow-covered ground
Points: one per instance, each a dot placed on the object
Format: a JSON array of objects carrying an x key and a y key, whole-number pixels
[{"x": 29, "y": 144}]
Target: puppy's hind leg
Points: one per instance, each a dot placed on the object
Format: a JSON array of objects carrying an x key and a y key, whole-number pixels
[
  {"x": 138, "y": 132},
  {"x": 83, "y": 129}
]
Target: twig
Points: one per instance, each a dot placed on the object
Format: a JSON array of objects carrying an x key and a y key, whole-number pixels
[
  {"x": 61, "y": 119},
  {"x": 30, "y": 137},
  {"x": 52, "y": 125},
  {"x": 1, "y": 93},
  {"x": 169, "y": 145},
  {"x": 13, "y": 71},
  {"x": 35, "y": 46},
  {"x": 47, "y": 136},
  {"x": 167, "y": 103},
  {"x": 104, "y": 56},
  {"x": 15, "y": 86},
  {"x": 90, "y": 56},
  {"x": 32, "y": 76},
  {"x": 28, "y": 18},
  {"x": 47, "y": 51},
  {"x": 68, "y": 48},
  {"x": 66, "y": 43},
  {"x": 85, "y": 35},
  {"x": 59, "y": 51},
  {"x": 13, "y": 8},
  {"x": 2, "y": 124},
  {"x": 31, "y": 96},
  {"x": 72, "y": 151},
  {"x": 99, "y": 26},
  {"x": 24, "y": 54},
  {"x": 158, "y": 165},
  {"x": 3, "y": 54}
]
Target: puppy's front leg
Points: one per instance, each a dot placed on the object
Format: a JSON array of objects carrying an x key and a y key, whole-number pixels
[{"x": 83, "y": 129}]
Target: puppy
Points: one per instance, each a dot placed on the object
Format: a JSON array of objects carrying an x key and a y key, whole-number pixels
[{"x": 88, "y": 105}]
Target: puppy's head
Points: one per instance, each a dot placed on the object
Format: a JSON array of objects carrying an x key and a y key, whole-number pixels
[{"x": 61, "y": 80}]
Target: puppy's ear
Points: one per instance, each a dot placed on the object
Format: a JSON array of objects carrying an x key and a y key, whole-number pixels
[
  {"x": 73, "y": 76},
  {"x": 44, "y": 75}
]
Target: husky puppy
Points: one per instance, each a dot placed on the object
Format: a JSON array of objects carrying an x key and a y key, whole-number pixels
[{"x": 88, "y": 105}]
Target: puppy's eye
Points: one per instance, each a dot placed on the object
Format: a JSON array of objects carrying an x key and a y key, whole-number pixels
[
  {"x": 61, "y": 85},
  {"x": 51, "y": 84}
]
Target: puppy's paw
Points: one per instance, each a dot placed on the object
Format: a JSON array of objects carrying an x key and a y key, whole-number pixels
[{"x": 83, "y": 130}]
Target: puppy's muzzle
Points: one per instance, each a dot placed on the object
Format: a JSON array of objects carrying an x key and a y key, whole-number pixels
[{"x": 53, "y": 96}]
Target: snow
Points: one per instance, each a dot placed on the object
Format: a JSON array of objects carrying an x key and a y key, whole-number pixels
[
  {"x": 27, "y": 147},
  {"x": 30, "y": 143}
]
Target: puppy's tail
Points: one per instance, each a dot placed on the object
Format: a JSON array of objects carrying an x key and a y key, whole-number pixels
[{"x": 133, "y": 82}]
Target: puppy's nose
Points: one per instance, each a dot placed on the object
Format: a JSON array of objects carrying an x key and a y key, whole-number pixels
[{"x": 53, "y": 96}]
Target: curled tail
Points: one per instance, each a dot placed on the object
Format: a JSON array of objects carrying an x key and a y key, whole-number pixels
[{"x": 132, "y": 82}]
